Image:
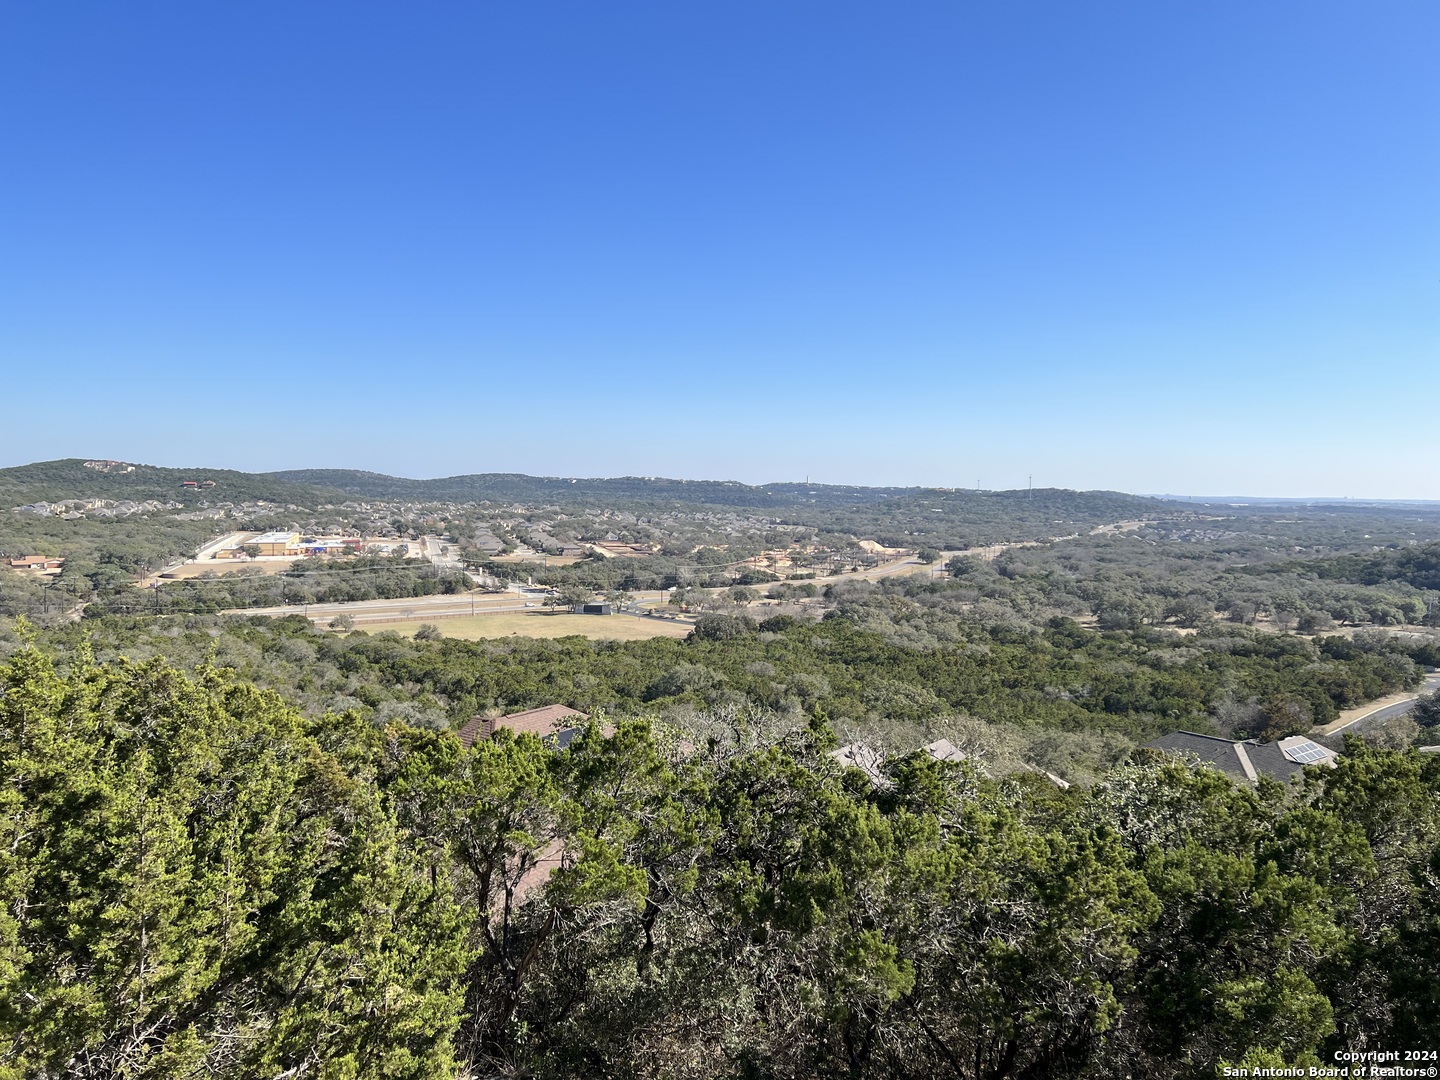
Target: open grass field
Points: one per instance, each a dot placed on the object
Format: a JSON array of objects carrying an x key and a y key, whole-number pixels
[{"x": 541, "y": 625}]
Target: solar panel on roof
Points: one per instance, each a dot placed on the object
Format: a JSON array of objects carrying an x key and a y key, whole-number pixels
[{"x": 1306, "y": 753}]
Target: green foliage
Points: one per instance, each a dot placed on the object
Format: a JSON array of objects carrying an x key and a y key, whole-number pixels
[
  {"x": 191, "y": 885},
  {"x": 197, "y": 878},
  {"x": 1415, "y": 566},
  {"x": 1427, "y": 710},
  {"x": 361, "y": 577},
  {"x": 68, "y": 478},
  {"x": 1065, "y": 681},
  {"x": 198, "y": 882},
  {"x": 102, "y": 557}
]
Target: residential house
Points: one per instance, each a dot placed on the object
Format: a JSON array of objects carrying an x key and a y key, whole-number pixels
[
  {"x": 36, "y": 562},
  {"x": 558, "y": 722},
  {"x": 1247, "y": 759}
]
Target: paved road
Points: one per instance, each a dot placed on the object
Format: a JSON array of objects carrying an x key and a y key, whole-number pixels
[
  {"x": 229, "y": 539},
  {"x": 440, "y": 553},
  {"x": 1388, "y": 712}
]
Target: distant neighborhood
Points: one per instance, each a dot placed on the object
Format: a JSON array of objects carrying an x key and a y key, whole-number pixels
[{"x": 74, "y": 509}]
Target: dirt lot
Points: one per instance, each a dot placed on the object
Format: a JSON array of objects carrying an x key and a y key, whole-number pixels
[
  {"x": 542, "y": 625},
  {"x": 548, "y": 560},
  {"x": 227, "y": 566}
]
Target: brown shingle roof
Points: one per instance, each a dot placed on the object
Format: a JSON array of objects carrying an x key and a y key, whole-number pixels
[{"x": 542, "y": 721}]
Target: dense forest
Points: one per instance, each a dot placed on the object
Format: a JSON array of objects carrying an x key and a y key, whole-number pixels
[
  {"x": 1417, "y": 567},
  {"x": 1067, "y": 699},
  {"x": 102, "y": 558},
  {"x": 198, "y": 880},
  {"x": 1124, "y": 581}
]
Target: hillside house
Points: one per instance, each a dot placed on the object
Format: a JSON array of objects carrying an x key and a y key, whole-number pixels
[
  {"x": 871, "y": 762},
  {"x": 1249, "y": 759},
  {"x": 559, "y": 722},
  {"x": 36, "y": 562}
]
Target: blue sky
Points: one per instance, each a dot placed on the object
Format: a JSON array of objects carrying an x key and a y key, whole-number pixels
[{"x": 1132, "y": 245}]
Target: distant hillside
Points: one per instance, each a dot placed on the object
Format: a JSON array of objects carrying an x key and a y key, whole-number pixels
[
  {"x": 519, "y": 488},
  {"x": 915, "y": 512},
  {"x": 962, "y": 517},
  {"x": 70, "y": 478}
]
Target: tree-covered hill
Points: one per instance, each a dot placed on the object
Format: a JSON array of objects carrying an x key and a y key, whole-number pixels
[
  {"x": 963, "y": 518},
  {"x": 809, "y": 503},
  {"x": 69, "y": 478},
  {"x": 901, "y": 508},
  {"x": 520, "y": 488}
]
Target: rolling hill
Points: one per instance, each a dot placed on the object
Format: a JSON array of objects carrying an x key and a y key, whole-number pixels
[
  {"x": 865, "y": 508},
  {"x": 70, "y": 478}
]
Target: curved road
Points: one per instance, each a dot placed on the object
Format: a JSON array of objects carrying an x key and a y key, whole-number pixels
[{"x": 1389, "y": 712}]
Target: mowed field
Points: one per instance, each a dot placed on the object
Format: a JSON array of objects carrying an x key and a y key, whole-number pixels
[{"x": 541, "y": 625}]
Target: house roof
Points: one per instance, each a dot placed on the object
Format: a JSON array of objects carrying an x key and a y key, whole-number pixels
[
  {"x": 944, "y": 750},
  {"x": 1248, "y": 759},
  {"x": 870, "y": 761},
  {"x": 35, "y": 560},
  {"x": 865, "y": 758},
  {"x": 546, "y": 720}
]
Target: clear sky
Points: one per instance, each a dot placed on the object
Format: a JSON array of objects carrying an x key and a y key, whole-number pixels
[{"x": 1159, "y": 247}]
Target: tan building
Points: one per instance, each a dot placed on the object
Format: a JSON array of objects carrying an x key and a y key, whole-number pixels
[
  {"x": 36, "y": 562},
  {"x": 275, "y": 543}
]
